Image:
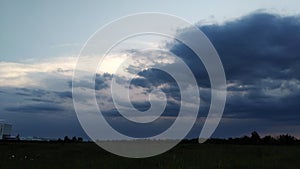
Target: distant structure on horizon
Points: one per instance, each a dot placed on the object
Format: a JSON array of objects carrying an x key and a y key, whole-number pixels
[{"x": 5, "y": 130}]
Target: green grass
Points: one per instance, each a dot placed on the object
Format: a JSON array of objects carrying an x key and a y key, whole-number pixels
[{"x": 184, "y": 156}]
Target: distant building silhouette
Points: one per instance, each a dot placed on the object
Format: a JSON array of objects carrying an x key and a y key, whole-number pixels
[{"x": 5, "y": 130}]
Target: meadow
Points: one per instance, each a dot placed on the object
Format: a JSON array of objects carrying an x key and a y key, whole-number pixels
[{"x": 87, "y": 155}]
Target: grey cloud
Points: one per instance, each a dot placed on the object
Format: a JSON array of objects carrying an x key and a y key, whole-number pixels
[
  {"x": 100, "y": 82},
  {"x": 64, "y": 95},
  {"x": 36, "y": 108}
]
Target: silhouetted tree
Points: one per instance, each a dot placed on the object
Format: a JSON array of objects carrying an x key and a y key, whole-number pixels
[
  {"x": 286, "y": 139},
  {"x": 74, "y": 139},
  {"x": 268, "y": 140},
  {"x": 66, "y": 139},
  {"x": 245, "y": 140},
  {"x": 80, "y": 139},
  {"x": 255, "y": 138}
]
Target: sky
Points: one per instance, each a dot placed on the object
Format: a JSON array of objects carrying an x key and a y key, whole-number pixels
[{"x": 257, "y": 43}]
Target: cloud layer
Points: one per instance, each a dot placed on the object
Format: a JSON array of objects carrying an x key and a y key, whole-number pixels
[{"x": 260, "y": 54}]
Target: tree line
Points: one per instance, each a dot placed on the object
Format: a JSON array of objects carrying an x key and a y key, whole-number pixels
[
  {"x": 253, "y": 139},
  {"x": 70, "y": 140}
]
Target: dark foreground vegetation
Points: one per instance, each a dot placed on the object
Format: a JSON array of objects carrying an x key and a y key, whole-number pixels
[{"x": 215, "y": 154}]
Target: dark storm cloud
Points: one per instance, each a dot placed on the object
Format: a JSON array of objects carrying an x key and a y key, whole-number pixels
[
  {"x": 152, "y": 78},
  {"x": 261, "y": 57},
  {"x": 258, "y": 46}
]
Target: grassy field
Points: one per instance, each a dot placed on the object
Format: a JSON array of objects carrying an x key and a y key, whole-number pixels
[{"x": 184, "y": 156}]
